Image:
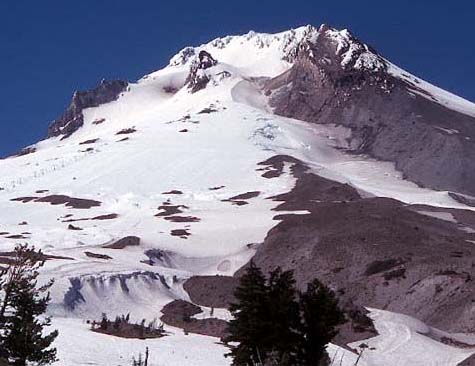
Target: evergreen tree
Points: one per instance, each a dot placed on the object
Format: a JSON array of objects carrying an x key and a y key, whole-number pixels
[
  {"x": 274, "y": 325},
  {"x": 104, "y": 322},
  {"x": 321, "y": 316},
  {"x": 25, "y": 259},
  {"x": 250, "y": 326},
  {"x": 284, "y": 333},
  {"x": 24, "y": 304}
]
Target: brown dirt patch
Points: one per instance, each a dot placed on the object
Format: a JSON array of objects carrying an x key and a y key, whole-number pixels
[
  {"x": 182, "y": 219},
  {"x": 182, "y": 233},
  {"x": 211, "y": 291},
  {"x": 57, "y": 199},
  {"x": 169, "y": 209},
  {"x": 92, "y": 141},
  {"x": 126, "y": 131},
  {"x": 98, "y": 121},
  {"x": 173, "y": 191},
  {"x": 97, "y": 256},
  {"x": 179, "y": 314},
  {"x": 100, "y": 217},
  {"x": 128, "y": 241},
  {"x": 72, "y": 227}
]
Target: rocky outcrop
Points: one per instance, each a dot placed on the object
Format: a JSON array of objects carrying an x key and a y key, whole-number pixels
[
  {"x": 197, "y": 78},
  {"x": 211, "y": 291},
  {"x": 337, "y": 79},
  {"x": 128, "y": 241},
  {"x": 72, "y": 119},
  {"x": 375, "y": 252},
  {"x": 60, "y": 199},
  {"x": 470, "y": 361},
  {"x": 180, "y": 314}
]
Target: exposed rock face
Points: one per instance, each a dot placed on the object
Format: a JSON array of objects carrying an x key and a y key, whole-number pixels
[
  {"x": 59, "y": 199},
  {"x": 180, "y": 314},
  {"x": 211, "y": 291},
  {"x": 197, "y": 78},
  {"x": 468, "y": 362},
  {"x": 375, "y": 252},
  {"x": 128, "y": 241},
  {"x": 343, "y": 81},
  {"x": 72, "y": 119}
]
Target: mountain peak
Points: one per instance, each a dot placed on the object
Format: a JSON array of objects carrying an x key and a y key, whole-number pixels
[{"x": 283, "y": 47}]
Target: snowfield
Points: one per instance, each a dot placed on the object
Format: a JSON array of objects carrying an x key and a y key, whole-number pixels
[
  {"x": 207, "y": 146},
  {"x": 78, "y": 346},
  {"x": 403, "y": 341}
]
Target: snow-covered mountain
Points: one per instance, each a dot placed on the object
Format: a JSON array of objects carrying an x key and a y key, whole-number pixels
[{"x": 142, "y": 186}]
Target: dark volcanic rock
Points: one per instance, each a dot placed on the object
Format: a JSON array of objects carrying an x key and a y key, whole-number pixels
[
  {"x": 183, "y": 219},
  {"x": 100, "y": 217},
  {"x": 169, "y": 210},
  {"x": 274, "y": 166},
  {"x": 208, "y": 110},
  {"x": 197, "y": 79},
  {"x": 470, "y": 361},
  {"x": 97, "y": 256},
  {"x": 184, "y": 308},
  {"x": 128, "y": 241},
  {"x": 211, "y": 291},
  {"x": 173, "y": 191},
  {"x": 179, "y": 314},
  {"x": 106, "y": 217},
  {"x": 126, "y": 131},
  {"x": 375, "y": 252},
  {"x": 245, "y": 196},
  {"x": 388, "y": 120},
  {"x": 24, "y": 199},
  {"x": 182, "y": 233},
  {"x": 74, "y": 228},
  {"x": 73, "y": 202},
  {"x": 91, "y": 141},
  {"x": 241, "y": 199},
  {"x": 73, "y": 118},
  {"x": 16, "y": 236},
  {"x": 59, "y": 199}
]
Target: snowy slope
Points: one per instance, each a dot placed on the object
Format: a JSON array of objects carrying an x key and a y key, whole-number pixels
[
  {"x": 403, "y": 340},
  {"x": 176, "y": 145}
]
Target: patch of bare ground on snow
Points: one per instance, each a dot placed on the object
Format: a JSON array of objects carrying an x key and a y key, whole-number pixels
[
  {"x": 59, "y": 199},
  {"x": 179, "y": 313},
  {"x": 375, "y": 252},
  {"x": 128, "y": 241}
]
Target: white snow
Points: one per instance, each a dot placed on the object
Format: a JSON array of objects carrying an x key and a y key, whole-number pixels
[
  {"x": 79, "y": 346},
  {"x": 432, "y": 92},
  {"x": 267, "y": 51},
  {"x": 402, "y": 341},
  {"x": 405, "y": 341}
]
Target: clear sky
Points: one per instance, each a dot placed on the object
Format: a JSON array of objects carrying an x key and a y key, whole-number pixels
[{"x": 50, "y": 48}]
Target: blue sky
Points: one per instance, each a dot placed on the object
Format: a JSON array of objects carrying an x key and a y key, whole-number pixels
[{"x": 50, "y": 48}]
